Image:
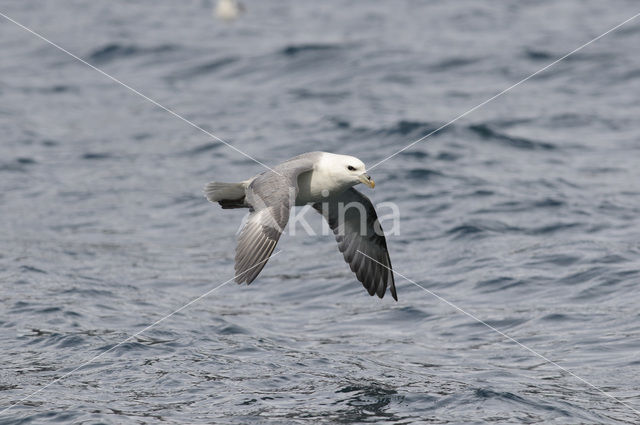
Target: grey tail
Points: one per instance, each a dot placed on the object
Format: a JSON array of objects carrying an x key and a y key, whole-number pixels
[{"x": 228, "y": 195}]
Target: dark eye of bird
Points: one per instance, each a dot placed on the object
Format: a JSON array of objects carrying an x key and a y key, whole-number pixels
[{"x": 351, "y": 168}]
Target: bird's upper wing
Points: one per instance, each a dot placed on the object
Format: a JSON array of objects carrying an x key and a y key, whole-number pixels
[
  {"x": 359, "y": 230},
  {"x": 271, "y": 196}
]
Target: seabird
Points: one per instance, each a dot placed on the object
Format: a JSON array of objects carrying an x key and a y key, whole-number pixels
[
  {"x": 228, "y": 10},
  {"x": 324, "y": 180}
]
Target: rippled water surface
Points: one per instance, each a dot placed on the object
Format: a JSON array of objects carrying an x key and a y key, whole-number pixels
[{"x": 523, "y": 213}]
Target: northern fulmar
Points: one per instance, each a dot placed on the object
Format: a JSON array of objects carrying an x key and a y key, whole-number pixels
[
  {"x": 324, "y": 180},
  {"x": 228, "y": 10}
]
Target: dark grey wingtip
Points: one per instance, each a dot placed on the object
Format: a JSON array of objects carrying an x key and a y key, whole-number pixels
[
  {"x": 392, "y": 284},
  {"x": 392, "y": 289},
  {"x": 394, "y": 294}
]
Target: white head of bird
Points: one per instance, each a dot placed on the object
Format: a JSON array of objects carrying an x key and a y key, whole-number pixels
[{"x": 345, "y": 171}]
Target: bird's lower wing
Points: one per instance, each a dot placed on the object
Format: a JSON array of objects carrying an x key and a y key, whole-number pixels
[
  {"x": 270, "y": 196},
  {"x": 361, "y": 240},
  {"x": 256, "y": 243}
]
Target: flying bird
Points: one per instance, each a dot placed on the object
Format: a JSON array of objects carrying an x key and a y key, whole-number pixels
[
  {"x": 228, "y": 10},
  {"x": 326, "y": 181}
]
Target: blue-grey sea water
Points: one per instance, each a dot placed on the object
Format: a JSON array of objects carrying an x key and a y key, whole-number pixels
[{"x": 524, "y": 213}]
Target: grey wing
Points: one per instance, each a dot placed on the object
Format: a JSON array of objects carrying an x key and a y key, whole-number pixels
[
  {"x": 359, "y": 230},
  {"x": 271, "y": 196}
]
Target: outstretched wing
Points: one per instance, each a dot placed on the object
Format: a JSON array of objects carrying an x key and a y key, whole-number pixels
[
  {"x": 354, "y": 222},
  {"x": 271, "y": 196}
]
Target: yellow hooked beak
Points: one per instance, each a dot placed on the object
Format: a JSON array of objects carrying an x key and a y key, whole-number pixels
[{"x": 366, "y": 179}]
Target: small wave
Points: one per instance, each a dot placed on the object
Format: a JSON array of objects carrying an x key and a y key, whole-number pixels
[
  {"x": 372, "y": 389},
  {"x": 405, "y": 128},
  {"x": 415, "y": 154},
  {"x": 206, "y": 147},
  {"x": 601, "y": 170},
  {"x": 583, "y": 276},
  {"x": 203, "y": 69},
  {"x": 612, "y": 259},
  {"x": 537, "y": 55},
  {"x": 551, "y": 228},
  {"x": 511, "y": 122},
  {"x": 485, "y": 393},
  {"x": 480, "y": 228},
  {"x": 7, "y": 387},
  {"x": 19, "y": 164},
  {"x": 60, "y": 88},
  {"x": 404, "y": 80},
  {"x": 324, "y": 95},
  {"x": 31, "y": 269},
  {"x": 48, "y": 310},
  {"x": 570, "y": 120},
  {"x": 70, "y": 341},
  {"x": 53, "y": 89},
  {"x": 422, "y": 174},
  {"x": 548, "y": 203},
  {"x": 297, "y": 49},
  {"x": 452, "y": 63},
  {"x": 448, "y": 156},
  {"x": 519, "y": 206},
  {"x": 142, "y": 136},
  {"x": 185, "y": 198},
  {"x": 339, "y": 122},
  {"x": 556, "y": 259},
  {"x": 477, "y": 193},
  {"x": 231, "y": 329},
  {"x": 114, "y": 51},
  {"x": 556, "y": 317},
  {"x": 142, "y": 344},
  {"x": 408, "y": 314},
  {"x": 504, "y": 323},
  {"x": 89, "y": 293},
  {"x": 97, "y": 155},
  {"x": 366, "y": 400},
  {"x": 499, "y": 284},
  {"x": 486, "y": 132},
  {"x": 464, "y": 230}
]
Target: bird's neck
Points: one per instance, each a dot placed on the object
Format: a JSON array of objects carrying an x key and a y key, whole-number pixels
[{"x": 318, "y": 185}]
